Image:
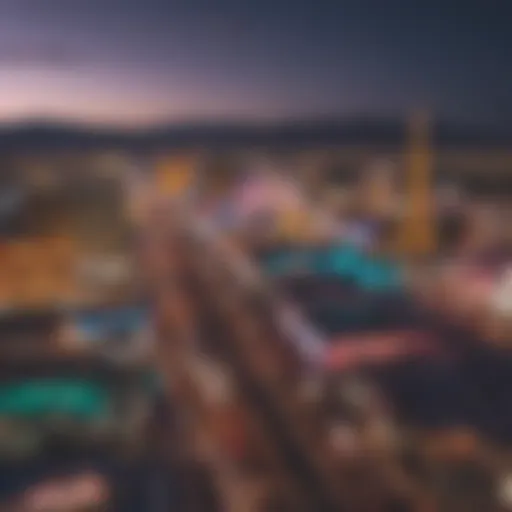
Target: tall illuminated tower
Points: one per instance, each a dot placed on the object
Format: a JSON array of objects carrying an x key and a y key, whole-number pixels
[{"x": 418, "y": 234}]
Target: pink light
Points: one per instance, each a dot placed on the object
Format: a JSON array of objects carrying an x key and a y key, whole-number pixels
[{"x": 375, "y": 348}]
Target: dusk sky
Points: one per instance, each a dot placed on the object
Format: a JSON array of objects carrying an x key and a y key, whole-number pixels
[{"x": 135, "y": 62}]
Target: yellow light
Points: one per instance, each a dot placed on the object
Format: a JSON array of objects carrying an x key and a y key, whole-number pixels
[{"x": 175, "y": 174}]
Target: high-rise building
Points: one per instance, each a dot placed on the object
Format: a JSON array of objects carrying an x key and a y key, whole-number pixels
[
  {"x": 378, "y": 190},
  {"x": 418, "y": 232}
]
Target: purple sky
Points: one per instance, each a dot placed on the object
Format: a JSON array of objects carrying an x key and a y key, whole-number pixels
[{"x": 143, "y": 61}]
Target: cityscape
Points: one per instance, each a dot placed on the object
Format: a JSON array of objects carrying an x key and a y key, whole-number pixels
[{"x": 222, "y": 290}]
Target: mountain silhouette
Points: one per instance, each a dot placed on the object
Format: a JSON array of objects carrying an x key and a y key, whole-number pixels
[{"x": 47, "y": 135}]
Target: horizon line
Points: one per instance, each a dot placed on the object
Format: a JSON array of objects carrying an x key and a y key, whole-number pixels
[{"x": 248, "y": 121}]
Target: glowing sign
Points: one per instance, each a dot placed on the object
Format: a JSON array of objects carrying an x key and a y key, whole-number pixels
[
  {"x": 175, "y": 175},
  {"x": 71, "y": 494}
]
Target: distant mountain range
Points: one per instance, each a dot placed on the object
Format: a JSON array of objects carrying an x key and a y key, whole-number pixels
[{"x": 356, "y": 131}]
